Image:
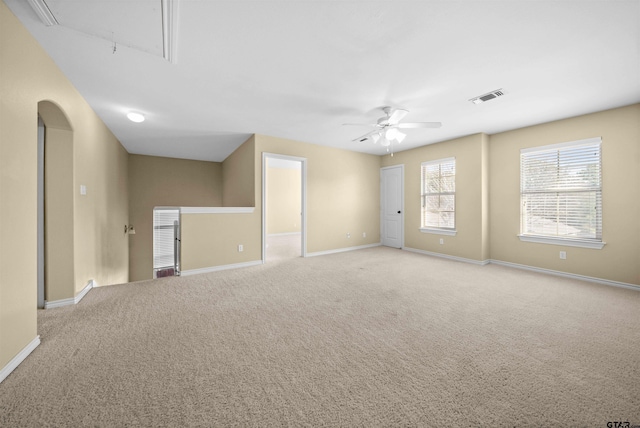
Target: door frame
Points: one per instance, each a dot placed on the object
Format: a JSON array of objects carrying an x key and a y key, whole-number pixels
[
  {"x": 382, "y": 201},
  {"x": 41, "y": 222},
  {"x": 303, "y": 200}
]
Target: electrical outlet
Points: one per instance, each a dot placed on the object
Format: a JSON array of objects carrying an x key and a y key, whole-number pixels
[
  {"x": 563, "y": 255},
  {"x": 441, "y": 241},
  {"x": 240, "y": 248},
  {"x": 364, "y": 234},
  {"x": 348, "y": 235}
]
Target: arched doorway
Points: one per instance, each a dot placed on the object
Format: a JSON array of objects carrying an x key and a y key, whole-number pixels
[{"x": 55, "y": 205}]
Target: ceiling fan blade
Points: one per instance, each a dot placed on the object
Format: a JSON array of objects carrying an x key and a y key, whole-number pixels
[
  {"x": 397, "y": 116},
  {"x": 360, "y": 124},
  {"x": 366, "y": 136},
  {"x": 408, "y": 125}
]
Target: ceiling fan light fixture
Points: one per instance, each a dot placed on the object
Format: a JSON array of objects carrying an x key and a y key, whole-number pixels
[
  {"x": 387, "y": 128},
  {"x": 394, "y": 134},
  {"x": 390, "y": 134}
]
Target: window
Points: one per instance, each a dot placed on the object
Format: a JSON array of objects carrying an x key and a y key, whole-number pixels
[
  {"x": 439, "y": 196},
  {"x": 561, "y": 193},
  {"x": 165, "y": 241}
]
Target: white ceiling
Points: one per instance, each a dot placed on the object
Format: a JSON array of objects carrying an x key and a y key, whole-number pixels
[{"x": 300, "y": 69}]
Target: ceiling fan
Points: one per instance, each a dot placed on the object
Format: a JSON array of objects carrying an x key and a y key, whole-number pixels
[{"x": 387, "y": 128}]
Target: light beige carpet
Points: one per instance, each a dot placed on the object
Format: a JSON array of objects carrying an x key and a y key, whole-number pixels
[{"x": 377, "y": 337}]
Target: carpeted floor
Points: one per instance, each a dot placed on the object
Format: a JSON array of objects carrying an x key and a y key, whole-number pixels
[{"x": 376, "y": 337}]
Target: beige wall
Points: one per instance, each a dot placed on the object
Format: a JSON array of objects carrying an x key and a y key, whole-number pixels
[
  {"x": 343, "y": 196},
  {"x": 100, "y": 250},
  {"x": 210, "y": 240},
  {"x": 488, "y": 196},
  {"x": 343, "y": 192},
  {"x": 470, "y": 152},
  {"x": 238, "y": 176},
  {"x": 619, "y": 260},
  {"x": 485, "y": 250},
  {"x": 158, "y": 181},
  {"x": 283, "y": 200},
  {"x": 59, "y": 216}
]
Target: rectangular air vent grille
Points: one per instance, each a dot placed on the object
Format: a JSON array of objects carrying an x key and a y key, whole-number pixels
[{"x": 486, "y": 97}]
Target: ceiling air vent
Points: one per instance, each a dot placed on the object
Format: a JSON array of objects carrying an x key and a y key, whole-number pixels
[{"x": 486, "y": 97}]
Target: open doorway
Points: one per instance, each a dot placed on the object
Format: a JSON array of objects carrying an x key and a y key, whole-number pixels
[
  {"x": 283, "y": 207},
  {"x": 55, "y": 213}
]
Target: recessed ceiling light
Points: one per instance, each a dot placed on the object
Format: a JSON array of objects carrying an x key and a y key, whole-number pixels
[{"x": 135, "y": 117}]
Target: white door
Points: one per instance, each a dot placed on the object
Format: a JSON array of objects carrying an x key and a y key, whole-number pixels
[{"x": 391, "y": 201}]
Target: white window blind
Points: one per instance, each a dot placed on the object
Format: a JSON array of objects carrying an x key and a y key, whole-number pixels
[
  {"x": 561, "y": 190},
  {"x": 163, "y": 236},
  {"x": 439, "y": 194}
]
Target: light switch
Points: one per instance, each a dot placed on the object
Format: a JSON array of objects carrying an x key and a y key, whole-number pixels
[{"x": 83, "y": 189}]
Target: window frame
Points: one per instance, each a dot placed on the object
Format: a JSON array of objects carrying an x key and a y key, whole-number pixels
[
  {"x": 594, "y": 243},
  {"x": 448, "y": 231}
]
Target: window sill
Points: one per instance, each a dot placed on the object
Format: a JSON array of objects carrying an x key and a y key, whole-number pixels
[
  {"x": 448, "y": 232},
  {"x": 583, "y": 243}
]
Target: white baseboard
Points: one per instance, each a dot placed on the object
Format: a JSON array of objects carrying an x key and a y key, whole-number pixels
[
  {"x": 342, "y": 250},
  {"x": 59, "y": 303},
  {"x": 84, "y": 291},
  {"x": 529, "y": 268},
  {"x": 22, "y": 355},
  {"x": 71, "y": 300},
  {"x": 447, "y": 256},
  {"x": 217, "y": 268},
  {"x": 567, "y": 275}
]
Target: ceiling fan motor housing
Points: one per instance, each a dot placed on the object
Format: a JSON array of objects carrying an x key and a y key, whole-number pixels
[{"x": 387, "y": 128}]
